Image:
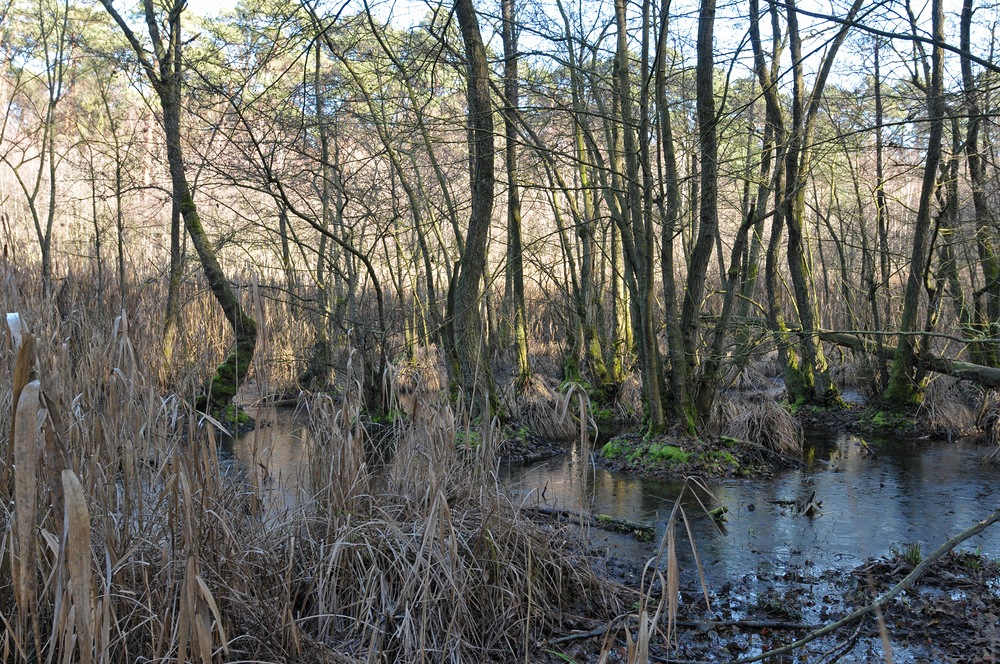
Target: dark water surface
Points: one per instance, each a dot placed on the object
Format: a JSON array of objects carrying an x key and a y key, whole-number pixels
[
  {"x": 907, "y": 492},
  {"x": 273, "y": 456},
  {"x": 876, "y": 495}
]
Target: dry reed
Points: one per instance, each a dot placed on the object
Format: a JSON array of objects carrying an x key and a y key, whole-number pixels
[
  {"x": 989, "y": 429},
  {"x": 760, "y": 421},
  {"x": 542, "y": 410},
  {"x": 948, "y": 408},
  {"x": 164, "y": 555}
]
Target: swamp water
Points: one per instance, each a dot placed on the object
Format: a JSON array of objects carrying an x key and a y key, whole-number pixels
[{"x": 876, "y": 495}]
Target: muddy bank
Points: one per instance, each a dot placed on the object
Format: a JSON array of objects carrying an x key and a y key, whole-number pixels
[{"x": 949, "y": 616}]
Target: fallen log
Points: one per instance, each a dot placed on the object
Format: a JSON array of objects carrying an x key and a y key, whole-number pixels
[
  {"x": 977, "y": 373},
  {"x": 640, "y": 531}
]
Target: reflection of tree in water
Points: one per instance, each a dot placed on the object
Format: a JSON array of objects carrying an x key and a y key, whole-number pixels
[{"x": 910, "y": 491}]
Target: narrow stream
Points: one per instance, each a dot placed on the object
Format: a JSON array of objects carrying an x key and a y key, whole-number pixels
[{"x": 906, "y": 492}]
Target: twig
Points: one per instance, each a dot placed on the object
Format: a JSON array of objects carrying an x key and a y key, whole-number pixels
[
  {"x": 600, "y": 631},
  {"x": 886, "y": 597},
  {"x": 881, "y": 601},
  {"x": 835, "y": 653}
]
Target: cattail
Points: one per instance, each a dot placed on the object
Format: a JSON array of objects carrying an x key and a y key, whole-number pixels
[
  {"x": 77, "y": 559},
  {"x": 26, "y": 461}
]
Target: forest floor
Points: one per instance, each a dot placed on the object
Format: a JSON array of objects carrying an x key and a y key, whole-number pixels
[{"x": 949, "y": 616}]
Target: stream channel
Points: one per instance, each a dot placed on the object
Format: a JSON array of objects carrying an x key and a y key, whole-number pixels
[
  {"x": 907, "y": 492},
  {"x": 876, "y": 495}
]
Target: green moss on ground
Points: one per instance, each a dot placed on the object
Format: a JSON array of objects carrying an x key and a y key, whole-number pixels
[
  {"x": 671, "y": 457},
  {"x": 886, "y": 420}
]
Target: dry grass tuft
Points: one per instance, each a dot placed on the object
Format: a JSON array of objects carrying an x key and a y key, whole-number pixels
[
  {"x": 947, "y": 407},
  {"x": 989, "y": 429},
  {"x": 542, "y": 410},
  {"x": 760, "y": 421}
]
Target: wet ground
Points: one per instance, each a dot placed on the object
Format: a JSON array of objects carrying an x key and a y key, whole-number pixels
[
  {"x": 794, "y": 551},
  {"x": 775, "y": 562}
]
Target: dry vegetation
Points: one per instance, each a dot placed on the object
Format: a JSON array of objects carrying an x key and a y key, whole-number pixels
[{"x": 126, "y": 540}]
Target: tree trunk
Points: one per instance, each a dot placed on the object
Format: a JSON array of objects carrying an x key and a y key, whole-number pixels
[
  {"x": 670, "y": 219},
  {"x": 231, "y": 373},
  {"x": 171, "y": 318},
  {"x": 515, "y": 259},
  {"x": 904, "y": 390},
  {"x": 637, "y": 237},
  {"x": 475, "y": 373},
  {"x": 708, "y": 216},
  {"x": 987, "y": 321},
  {"x": 164, "y": 73}
]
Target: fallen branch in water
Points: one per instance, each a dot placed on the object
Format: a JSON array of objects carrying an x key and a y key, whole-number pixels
[
  {"x": 640, "y": 531},
  {"x": 886, "y": 597},
  {"x": 698, "y": 624}
]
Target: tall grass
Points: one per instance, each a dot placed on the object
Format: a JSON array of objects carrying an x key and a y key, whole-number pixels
[{"x": 128, "y": 541}]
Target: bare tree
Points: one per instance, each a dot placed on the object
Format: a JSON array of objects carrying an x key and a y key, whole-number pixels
[{"x": 164, "y": 68}]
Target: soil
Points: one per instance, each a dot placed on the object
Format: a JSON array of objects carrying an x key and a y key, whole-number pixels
[
  {"x": 518, "y": 445},
  {"x": 951, "y": 615}
]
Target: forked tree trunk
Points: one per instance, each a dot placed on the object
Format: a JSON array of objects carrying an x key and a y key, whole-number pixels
[{"x": 164, "y": 73}]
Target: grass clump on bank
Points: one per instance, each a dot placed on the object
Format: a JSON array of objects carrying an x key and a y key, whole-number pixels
[
  {"x": 678, "y": 458},
  {"x": 765, "y": 423}
]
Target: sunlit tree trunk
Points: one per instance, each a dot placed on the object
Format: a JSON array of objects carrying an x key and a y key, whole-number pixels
[{"x": 164, "y": 71}]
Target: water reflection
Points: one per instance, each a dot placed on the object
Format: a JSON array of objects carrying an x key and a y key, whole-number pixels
[
  {"x": 272, "y": 457},
  {"x": 875, "y": 494}
]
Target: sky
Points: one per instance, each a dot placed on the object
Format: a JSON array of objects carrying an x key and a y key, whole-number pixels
[{"x": 210, "y": 7}]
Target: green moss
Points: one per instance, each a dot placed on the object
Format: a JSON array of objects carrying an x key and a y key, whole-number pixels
[
  {"x": 668, "y": 454},
  {"x": 387, "y": 418},
  {"x": 641, "y": 532},
  {"x": 468, "y": 438},
  {"x": 615, "y": 447},
  {"x": 602, "y": 415},
  {"x": 234, "y": 418},
  {"x": 720, "y": 462},
  {"x": 881, "y": 419}
]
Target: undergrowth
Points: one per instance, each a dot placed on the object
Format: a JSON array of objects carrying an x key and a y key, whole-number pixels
[{"x": 124, "y": 537}]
